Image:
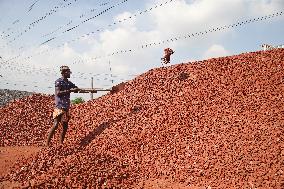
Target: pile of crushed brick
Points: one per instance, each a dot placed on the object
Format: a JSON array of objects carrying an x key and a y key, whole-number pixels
[
  {"x": 7, "y": 95},
  {"x": 216, "y": 123},
  {"x": 25, "y": 121}
]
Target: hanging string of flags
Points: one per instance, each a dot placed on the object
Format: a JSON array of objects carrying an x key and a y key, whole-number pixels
[
  {"x": 33, "y": 24},
  {"x": 98, "y": 30},
  {"x": 93, "y": 10},
  {"x": 54, "y": 31},
  {"x": 28, "y": 70},
  {"x": 71, "y": 21},
  {"x": 114, "y": 23},
  {"x": 86, "y": 20},
  {"x": 93, "y": 17},
  {"x": 17, "y": 21},
  {"x": 191, "y": 35},
  {"x": 36, "y": 84}
]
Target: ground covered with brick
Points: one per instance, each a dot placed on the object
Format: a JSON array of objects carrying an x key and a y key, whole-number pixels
[{"x": 216, "y": 123}]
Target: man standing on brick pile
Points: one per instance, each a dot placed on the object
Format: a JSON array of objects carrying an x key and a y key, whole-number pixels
[
  {"x": 63, "y": 88},
  {"x": 167, "y": 55}
]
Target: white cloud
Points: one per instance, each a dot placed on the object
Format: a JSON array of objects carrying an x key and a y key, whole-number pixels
[
  {"x": 176, "y": 18},
  {"x": 123, "y": 20},
  {"x": 68, "y": 52},
  {"x": 183, "y": 18},
  {"x": 215, "y": 51},
  {"x": 260, "y": 7}
]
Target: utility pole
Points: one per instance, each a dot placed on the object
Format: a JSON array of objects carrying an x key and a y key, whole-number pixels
[
  {"x": 110, "y": 72},
  {"x": 92, "y": 86}
]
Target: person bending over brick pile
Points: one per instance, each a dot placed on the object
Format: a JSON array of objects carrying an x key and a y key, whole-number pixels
[
  {"x": 167, "y": 55},
  {"x": 63, "y": 88}
]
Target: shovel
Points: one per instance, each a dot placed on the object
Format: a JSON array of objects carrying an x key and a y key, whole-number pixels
[{"x": 113, "y": 90}]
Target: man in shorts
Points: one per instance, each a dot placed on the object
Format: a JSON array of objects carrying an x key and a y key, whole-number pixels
[{"x": 63, "y": 88}]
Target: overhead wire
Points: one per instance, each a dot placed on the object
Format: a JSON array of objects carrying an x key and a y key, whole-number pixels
[
  {"x": 37, "y": 84},
  {"x": 31, "y": 7},
  {"x": 28, "y": 70},
  {"x": 57, "y": 29},
  {"x": 98, "y": 30},
  {"x": 114, "y": 23},
  {"x": 102, "y": 12},
  {"x": 86, "y": 20},
  {"x": 33, "y": 24},
  {"x": 91, "y": 18},
  {"x": 14, "y": 22},
  {"x": 71, "y": 21},
  {"x": 17, "y": 20},
  {"x": 82, "y": 22},
  {"x": 191, "y": 35}
]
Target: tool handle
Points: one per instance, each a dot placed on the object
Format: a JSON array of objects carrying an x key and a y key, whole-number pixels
[{"x": 90, "y": 90}]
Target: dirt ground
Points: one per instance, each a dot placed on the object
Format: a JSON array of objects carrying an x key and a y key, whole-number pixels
[
  {"x": 9, "y": 156},
  {"x": 166, "y": 184}
]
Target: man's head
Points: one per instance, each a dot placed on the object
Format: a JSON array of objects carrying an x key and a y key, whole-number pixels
[{"x": 65, "y": 71}]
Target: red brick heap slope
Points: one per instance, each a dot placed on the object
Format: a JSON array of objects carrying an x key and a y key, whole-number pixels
[
  {"x": 216, "y": 123},
  {"x": 24, "y": 121}
]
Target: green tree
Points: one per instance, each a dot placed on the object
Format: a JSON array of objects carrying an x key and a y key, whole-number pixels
[{"x": 77, "y": 100}]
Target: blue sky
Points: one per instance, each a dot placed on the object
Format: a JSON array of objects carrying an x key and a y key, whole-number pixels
[{"x": 159, "y": 21}]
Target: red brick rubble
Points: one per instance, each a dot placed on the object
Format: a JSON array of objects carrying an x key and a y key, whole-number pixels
[{"x": 216, "y": 123}]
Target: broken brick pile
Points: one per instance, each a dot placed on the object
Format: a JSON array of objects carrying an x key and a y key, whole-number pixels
[
  {"x": 23, "y": 121},
  {"x": 216, "y": 123}
]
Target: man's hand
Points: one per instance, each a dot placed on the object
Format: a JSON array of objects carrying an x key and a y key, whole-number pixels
[{"x": 74, "y": 90}]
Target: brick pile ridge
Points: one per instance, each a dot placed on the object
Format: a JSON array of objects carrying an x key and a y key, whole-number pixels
[
  {"x": 216, "y": 123},
  {"x": 24, "y": 120}
]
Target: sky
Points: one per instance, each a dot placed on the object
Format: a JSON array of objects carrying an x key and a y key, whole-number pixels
[{"x": 113, "y": 41}]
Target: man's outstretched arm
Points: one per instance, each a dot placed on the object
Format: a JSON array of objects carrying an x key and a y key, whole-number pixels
[{"x": 59, "y": 92}]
